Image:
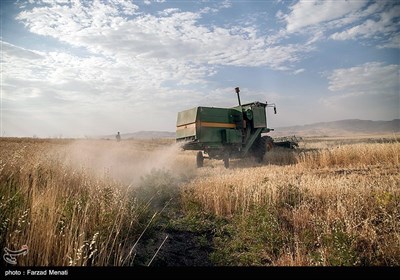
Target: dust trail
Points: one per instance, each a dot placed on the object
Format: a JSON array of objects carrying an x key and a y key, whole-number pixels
[{"x": 127, "y": 161}]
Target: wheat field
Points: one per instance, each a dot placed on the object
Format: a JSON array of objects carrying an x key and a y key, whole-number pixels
[
  {"x": 330, "y": 206},
  {"x": 88, "y": 202},
  {"x": 72, "y": 202}
]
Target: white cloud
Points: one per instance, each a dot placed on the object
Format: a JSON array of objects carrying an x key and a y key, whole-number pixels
[
  {"x": 386, "y": 24},
  {"x": 298, "y": 71},
  {"x": 226, "y": 4},
  {"x": 73, "y": 94},
  {"x": 148, "y": 2},
  {"x": 367, "y": 91},
  {"x": 21, "y": 53},
  {"x": 308, "y": 13},
  {"x": 169, "y": 11},
  {"x": 344, "y": 20},
  {"x": 93, "y": 79},
  {"x": 174, "y": 35},
  {"x": 393, "y": 42},
  {"x": 369, "y": 78}
]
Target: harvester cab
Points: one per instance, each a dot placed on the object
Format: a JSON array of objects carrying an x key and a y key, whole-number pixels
[{"x": 224, "y": 133}]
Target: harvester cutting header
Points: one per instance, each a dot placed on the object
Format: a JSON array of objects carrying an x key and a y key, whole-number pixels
[{"x": 224, "y": 133}]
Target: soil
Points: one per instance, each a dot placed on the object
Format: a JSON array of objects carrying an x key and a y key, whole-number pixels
[{"x": 181, "y": 248}]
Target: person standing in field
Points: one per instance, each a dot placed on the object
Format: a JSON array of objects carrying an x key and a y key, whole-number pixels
[{"x": 118, "y": 136}]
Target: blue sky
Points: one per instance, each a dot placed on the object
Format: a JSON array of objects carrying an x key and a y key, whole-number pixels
[{"x": 76, "y": 68}]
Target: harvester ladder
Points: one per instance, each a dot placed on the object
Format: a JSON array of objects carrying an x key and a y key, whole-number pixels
[{"x": 251, "y": 140}]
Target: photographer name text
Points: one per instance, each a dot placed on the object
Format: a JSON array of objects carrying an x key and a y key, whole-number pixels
[{"x": 32, "y": 272}]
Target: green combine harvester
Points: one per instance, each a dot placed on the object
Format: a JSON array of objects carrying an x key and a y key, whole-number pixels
[{"x": 224, "y": 133}]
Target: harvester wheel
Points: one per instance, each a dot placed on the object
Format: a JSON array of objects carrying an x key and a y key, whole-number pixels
[
  {"x": 269, "y": 142},
  {"x": 259, "y": 148},
  {"x": 199, "y": 159},
  {"x": 226, "y": 161}
]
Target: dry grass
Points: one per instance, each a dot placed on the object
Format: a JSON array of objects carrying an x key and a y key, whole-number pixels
[
  {"x": 72, "y": 202},
  {"x": 65, "y": 216},
  {"x": 353, "y": 155},
  {"x": 338, "y": 206}
]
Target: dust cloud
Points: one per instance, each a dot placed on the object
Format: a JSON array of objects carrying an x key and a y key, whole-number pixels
[{"x": 128, "y": 161}]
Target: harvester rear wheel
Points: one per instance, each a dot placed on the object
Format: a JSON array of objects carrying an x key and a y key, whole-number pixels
[
  {"x": 258, "y": 149},
  {"x": 226, "y": 161},
  {"x": 199, "y": 159}
]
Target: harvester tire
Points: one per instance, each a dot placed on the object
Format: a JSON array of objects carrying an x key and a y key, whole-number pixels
[
  {"x": 269, "y": 142},
  {"x": 199, "y": 159},
  {"x": 226, "y": 161},
  {"x": 259, "y": 148}
]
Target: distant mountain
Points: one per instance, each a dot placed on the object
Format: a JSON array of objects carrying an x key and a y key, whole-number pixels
[
  {"x": 150, "y": 134},
  {"x": 341, "y": 128},
  {"x": 143, "y": 135},
  {"x": 335, "y": 128}
]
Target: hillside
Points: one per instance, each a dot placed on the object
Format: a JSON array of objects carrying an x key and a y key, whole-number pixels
[{"x": 342, "y": 128}]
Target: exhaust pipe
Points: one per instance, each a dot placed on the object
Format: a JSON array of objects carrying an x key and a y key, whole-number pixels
[{"x": 238, "y": 96}]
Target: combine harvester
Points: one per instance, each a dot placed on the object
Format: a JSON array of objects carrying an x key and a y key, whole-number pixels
[{"x": 224, "y": 133}]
